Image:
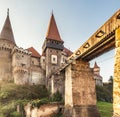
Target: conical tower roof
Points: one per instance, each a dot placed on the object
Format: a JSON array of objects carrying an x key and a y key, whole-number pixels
[
  {"x": 7, "y": 32},
  {"x": 53, "y": 32},
  {"x": 96, "y": 66}
]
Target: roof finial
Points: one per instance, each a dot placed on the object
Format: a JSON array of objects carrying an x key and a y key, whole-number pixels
[
  {"x": 52, "y": 12},
  {"x": 8, "y": 11}
]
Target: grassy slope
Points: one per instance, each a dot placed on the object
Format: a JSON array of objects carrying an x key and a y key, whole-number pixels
[
  {"x": 11, "y": 95},
  {"x": 105, "y": 109}
]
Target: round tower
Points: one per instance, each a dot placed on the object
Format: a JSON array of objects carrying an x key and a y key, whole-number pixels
[{"x": 7, "y": 43}]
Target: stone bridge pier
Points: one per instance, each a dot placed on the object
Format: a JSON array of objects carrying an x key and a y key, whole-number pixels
[
  {"x": 80, "y": 92},
  {"x": 116, "y": 86}
]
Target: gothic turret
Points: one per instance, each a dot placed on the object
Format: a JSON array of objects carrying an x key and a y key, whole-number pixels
[
  {"x": 53, "y": 39},
  {"x": 7, "y": 33},
  {"x": 52, "y": 47},
  {"x": 96, "y": 69},
  {"x": 7, "y": 43}
]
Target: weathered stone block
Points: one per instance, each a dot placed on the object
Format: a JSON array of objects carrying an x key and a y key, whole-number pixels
[{"x": 81, "y": 95}]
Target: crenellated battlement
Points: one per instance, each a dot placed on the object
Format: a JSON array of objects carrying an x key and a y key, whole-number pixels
[
  {"x": 21, "y": 50},
  {"x": 5, "y": 47}
]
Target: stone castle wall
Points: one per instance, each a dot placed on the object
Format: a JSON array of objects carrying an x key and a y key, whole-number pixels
[
  {"x": 21, "y": 66},
  {"x": 6, "y": 60},
  {"x": 5, "y": 65},
  {"x": 50, "y": 67}
]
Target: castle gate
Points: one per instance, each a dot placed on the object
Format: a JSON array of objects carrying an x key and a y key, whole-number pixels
[{"x": 80, "y": 95}]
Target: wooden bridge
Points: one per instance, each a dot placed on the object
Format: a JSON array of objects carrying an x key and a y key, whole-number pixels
[
  {"x": 101, "y": 41},
  {"x": 80, "y": 97}
]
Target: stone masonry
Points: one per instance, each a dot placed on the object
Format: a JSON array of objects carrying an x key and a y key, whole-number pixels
[
  {"x": 80, "y": 92},
  {"x": 116, "y": 89},
  {"x": 27, "y": 66}
]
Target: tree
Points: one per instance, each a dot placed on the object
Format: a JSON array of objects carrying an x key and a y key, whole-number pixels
[{"x": 110, "y": 80}]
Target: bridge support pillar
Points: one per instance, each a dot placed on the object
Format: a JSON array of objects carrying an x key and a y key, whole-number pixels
[
  {"x": 116, "y": 85},
  {"x": 80, "y": 93}
]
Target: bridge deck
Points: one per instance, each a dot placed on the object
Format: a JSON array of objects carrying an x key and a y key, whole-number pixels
[{"x": 101, "y": 41}]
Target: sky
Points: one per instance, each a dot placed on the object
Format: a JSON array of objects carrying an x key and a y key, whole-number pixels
[{"x": 77, "y": 20}]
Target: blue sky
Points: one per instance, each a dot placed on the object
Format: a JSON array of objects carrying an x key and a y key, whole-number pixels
[{"x": 77, "y": 20}]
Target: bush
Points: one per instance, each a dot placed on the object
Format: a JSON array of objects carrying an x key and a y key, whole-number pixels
[
  {"x": 15, "y": 114},
  {"x": 56, "y": 97},
  {"x": 6, "y": 109},
  {"x": 104, "y": 94},
  {"x": 39, "y": 102},
  {"x": 12, "y": 95}
]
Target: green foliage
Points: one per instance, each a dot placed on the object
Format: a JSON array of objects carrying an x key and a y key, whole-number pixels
[
  {"x": 3, "y": 95},
  {"x": 56, "y": 97},
  {"x": 12, "y": 95},
  {"x": 38, "y": 102},
  {"x": 105, "y": 93},
  {"x": 111, "y": 79},
  {"x": 6, "y": 109},
  {"x": 11, "y": 91},
  {"x": 21, "y": 102},
  {"x": 105, "y": 109},
  {"x": 15, "y": 114}
]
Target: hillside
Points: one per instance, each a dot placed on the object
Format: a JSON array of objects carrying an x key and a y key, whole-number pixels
[{"x": 12, "y": 95}]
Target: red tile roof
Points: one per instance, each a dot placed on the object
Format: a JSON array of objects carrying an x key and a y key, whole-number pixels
[
  {"x": 68, "y": 52},
  {"x": 53, "y": 32},
  {"x": 34, "y": 52}
]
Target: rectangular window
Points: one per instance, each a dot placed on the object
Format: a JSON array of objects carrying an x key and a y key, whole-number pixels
[{"x": 54, "y": 59}]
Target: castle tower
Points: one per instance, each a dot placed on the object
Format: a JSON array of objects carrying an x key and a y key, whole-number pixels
[
  {"x": 7, "y": 33},
  {"x": 96, "y": 69},
  {"x": 21, "y": 59},
  {"x": 52, "y": 47},
  {"x": 98, "y": 78},
  {"x": 7, "y": 43}
]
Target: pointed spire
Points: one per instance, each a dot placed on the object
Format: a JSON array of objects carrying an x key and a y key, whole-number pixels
[
  {"x": 53, "y": 32},
  {"x": 8, "y": 11},
  {"x": 7, "y": 32},
  {"x": 95, "y": 65}
]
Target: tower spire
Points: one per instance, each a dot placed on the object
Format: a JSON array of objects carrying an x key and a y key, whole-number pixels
[
  {"x": 52, "y": 12},
  {"x": 52, "y": 32},
  {"x": 95, "y": 65},
  {"x": 7, "y": 33},
  {"x": 8, "y": 12}
]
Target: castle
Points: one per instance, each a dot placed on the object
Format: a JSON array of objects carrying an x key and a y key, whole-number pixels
[{"x": 27, "y": 66}]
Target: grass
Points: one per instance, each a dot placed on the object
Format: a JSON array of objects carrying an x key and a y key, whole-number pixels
[
  {"x": 12, "y": 95},
  {"x": 105, "y": 109}
]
